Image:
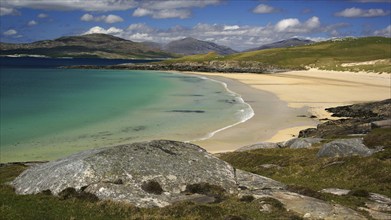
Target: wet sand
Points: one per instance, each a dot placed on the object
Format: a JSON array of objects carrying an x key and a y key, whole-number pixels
[{"x": 281, "y": 100}]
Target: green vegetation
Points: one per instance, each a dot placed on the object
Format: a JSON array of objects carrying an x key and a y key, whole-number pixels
[
  {"x": 328, "y": 55},
  {"x": 306, "y": 174},
  {"x": 75, "y": 206}
]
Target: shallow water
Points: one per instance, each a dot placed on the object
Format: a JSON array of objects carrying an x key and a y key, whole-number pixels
[{"x": 47, "y": 113}]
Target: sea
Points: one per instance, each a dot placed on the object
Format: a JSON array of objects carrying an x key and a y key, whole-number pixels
[{"x": 48, "y": 112}]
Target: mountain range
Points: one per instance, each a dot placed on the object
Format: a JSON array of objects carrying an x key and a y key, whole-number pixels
[
  {"x": 191, "y": 46},
  {"x": 108, "y": 46},
  {"x": 91, "y": 45},
  {"x": 291, "y": 42}
]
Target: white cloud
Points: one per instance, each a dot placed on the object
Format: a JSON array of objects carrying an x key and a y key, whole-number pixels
[
  {"x": 265, "y": 9},
  {"x": 170, "y": 8},
  {"x": 234, "y": 27},
  {"x": 287, "y": 23},
  {"x": 86, "y": 5},
  {"x": 386, "y": 32},
  {"x": 293, "y": 25},
  {"x": 358, "y": 12},
  {"x": 175, "y": 4},
  {"x": 160, "y": 14},
  {"x": 42, "y": 15},
  {"x": 32, "y": 23},
  {"x": 105, "y": 18},
  {"x": 8, "y": 11},
  {"x": 140, "y": 12},
  {"x": 228, "y": 35},
  {"x": 100, "y": 30},
  {"x": 10, "y": 32},
  {"x": 87, "y": 17}
]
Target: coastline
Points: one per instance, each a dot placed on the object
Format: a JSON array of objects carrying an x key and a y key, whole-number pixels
[{"x": 281, "y": 100}]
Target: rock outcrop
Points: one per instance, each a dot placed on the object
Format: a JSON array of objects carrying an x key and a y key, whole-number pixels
[
  {"x": 230, "y": 66},
  {"x": 159, "y": 173},
  {"x": 301, "y": 142},
  {"x": 345, "y": 148},
  {"x": 292, "y": 143},
  {"x": 262, "y": 145},
  {"x": 360, "y": 119},
  {"x": 145, "y": 174}
]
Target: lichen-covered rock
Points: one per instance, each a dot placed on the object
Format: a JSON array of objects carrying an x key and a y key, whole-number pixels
[
  {"x": 145, "y": 174},
  {"x": 262, "y": 145},
  {"x": 345, "y": 148},
  {"x": 315, "y": 208},
  {"x": 301, "y": 142}
]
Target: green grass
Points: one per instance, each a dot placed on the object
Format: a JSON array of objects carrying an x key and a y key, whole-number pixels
[
  {"x": 325, "y": 55},
  {"x": 305, "y": 173},
  {"x": 44, "y": 206}
]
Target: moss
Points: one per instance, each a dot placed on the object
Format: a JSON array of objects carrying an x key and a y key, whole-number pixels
[
  {"x": 378, "y": 137},
  {"x": 70, "y": 193},
  {"x": 153, "y": 187},
  {"x": 359, "y": 193},
  {"x": 247, "y": 198},
  {"x": 305, "y": 191}
]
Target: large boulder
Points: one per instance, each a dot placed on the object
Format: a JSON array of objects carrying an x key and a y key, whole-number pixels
[
  {"x": 146, "y": 174},
  {"x": 130, "y": 172},
  {"x": 301, "y": 142},
  {"x": 261, "y": 145},
  {"x": 345, "y": 148}
]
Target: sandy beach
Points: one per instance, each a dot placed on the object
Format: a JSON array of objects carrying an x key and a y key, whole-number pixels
[{"x": 280, "y": 102}]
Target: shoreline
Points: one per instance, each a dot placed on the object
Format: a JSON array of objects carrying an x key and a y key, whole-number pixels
[{"x": 281, "y": 100}]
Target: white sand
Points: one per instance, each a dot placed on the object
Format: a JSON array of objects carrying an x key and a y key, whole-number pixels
[{"x": 277, "y": 100}]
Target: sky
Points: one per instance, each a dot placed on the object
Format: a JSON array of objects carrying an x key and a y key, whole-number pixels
[{"x": 239, "y": 24}]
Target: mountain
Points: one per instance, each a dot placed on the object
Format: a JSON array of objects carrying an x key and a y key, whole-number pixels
[
  {"x": 90, "y": 45},
  {"x": 284, "y": 43},
  {"x": 191, "y": 46},
  {"x": 348, "y": 54}
]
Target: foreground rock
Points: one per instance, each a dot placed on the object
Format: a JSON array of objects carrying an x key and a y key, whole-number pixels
[
  {"x": 145, "y": 174},
  {"x": 345, "y": 148},
  {"x": 160, "y": 173}
]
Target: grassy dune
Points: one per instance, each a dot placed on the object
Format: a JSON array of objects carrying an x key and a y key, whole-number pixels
[{"x": 324, "y": 55}]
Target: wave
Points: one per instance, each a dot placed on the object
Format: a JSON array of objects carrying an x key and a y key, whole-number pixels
[{"x": 245, "y": 114}]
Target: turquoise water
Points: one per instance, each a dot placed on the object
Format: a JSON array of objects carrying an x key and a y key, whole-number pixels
[{"x": 48, "y": 113}]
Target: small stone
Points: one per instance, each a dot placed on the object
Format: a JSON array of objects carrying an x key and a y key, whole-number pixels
[{"x": 307, "y": 215}]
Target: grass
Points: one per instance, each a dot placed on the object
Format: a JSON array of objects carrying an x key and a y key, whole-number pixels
[
  {"x": 324, "y": 55},
  {"x": 307, "y": 174},
  {"x": 45, "y": 206}
]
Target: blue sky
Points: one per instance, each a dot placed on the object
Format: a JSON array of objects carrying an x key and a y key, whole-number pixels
[{"x": 240, "y": 24}]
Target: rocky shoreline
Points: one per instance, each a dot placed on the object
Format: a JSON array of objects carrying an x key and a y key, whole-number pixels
[{"x": 206, "y": 66}]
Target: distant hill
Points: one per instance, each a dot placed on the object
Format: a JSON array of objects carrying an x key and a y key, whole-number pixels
[
  {"x": 331, "y": 55},
  {"x": 284, "y": 43},
  {"x": 91, "y": 45},
  {"x": 191, "y": 46}
]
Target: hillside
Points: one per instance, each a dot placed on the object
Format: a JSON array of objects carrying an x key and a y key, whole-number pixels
[
  {"x": 350, "y": 54},
  {"x": 91, "y": 45},
  {"x": 291, "y": 42},
  {"x": 191, "y": 46}
]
